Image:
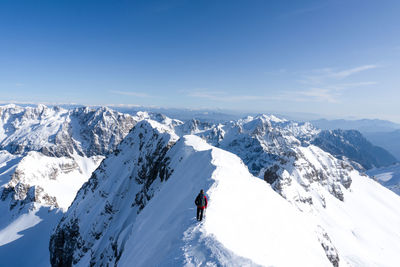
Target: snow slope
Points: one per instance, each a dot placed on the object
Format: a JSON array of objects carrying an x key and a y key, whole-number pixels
[
  {"x": 38, "y": 189},
  {"x": 8, "y": 163},
  {"x": 364, "y": 223},
  {"x": 257, "y": 229},
  {"x": 25, "y": 241}
]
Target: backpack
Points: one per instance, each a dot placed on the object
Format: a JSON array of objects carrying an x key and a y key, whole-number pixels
[{"x": 200, "y": 200}]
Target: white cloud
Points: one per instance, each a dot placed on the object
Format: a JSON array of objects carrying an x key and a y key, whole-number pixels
[
  {"x": 130, "y": 93},
  {"x": 221, "y": 96},
  {"x": 325, "y": 75},
  {"x": 328, "y": 93},
  {"x": 317, "y": 95},
  {"x": 326, "y": 84},
  {"x": 276, "y": 72},
  {"x": 346, "y": 73}
]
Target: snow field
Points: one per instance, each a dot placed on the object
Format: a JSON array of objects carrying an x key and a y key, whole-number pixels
[{"x": 60, "y": 177}]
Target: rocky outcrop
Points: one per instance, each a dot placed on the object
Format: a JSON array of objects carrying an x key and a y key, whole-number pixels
[
  {"x": 326, "y": 243},
  {"x": 24, "y": 194}
]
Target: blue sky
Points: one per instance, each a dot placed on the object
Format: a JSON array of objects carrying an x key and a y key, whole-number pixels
[{"x": 337, "y": 58}]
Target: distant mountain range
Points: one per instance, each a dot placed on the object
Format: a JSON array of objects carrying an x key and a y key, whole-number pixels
[
  {"x": 353, "y": 145},
  {"x": 387, "y": 176},
  {"x": 385, "y": 134},
  {"x": 364, "y": 125}
]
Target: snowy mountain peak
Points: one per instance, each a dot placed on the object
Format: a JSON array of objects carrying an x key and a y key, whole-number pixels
[
  {"x": 54, "y": 151},
  {"x": 60, "y": 132},
  {"x": 264, "y": 118}
]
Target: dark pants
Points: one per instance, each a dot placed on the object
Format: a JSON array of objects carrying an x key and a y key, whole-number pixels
[{"x": 200, "y": 213}]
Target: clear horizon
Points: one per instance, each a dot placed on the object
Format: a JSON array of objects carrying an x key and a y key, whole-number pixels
[{"x": 336, "y": 58}]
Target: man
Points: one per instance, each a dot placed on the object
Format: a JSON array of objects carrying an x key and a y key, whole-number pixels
[{"x": 201, "y": 203}]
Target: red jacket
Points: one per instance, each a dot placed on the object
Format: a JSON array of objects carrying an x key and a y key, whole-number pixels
[{"x": 203, "y": 207}]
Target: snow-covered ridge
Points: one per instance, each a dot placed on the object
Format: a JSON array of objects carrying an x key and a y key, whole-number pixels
[{"x": 132, "y": 223}]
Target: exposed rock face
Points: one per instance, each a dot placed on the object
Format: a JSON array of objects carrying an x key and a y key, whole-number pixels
[
  {"x": 22, "y": 194},
  {"x": 330, "y": 250},
  {"x": 101, "y": 130},
  {"x": 109, "y": 202}
]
